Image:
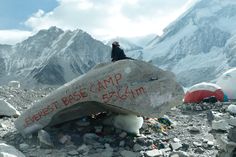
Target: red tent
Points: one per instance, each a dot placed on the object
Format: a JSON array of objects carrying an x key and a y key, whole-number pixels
[{"x": 198, "y": 92}]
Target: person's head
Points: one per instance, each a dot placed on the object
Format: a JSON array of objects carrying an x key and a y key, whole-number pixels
[{"x": 115, "y": 44}]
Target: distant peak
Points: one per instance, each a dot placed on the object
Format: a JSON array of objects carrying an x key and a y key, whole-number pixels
[{"x": 55, "y": 29}]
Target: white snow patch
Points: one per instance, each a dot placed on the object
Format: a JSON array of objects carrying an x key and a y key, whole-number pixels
[{"x": 129, "y": 123}]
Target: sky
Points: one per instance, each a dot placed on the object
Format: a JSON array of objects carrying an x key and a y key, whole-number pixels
[{"x": 103, "y": 19}]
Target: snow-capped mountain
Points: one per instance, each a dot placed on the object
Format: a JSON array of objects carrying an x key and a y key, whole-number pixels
[
  {"x": 133, "y": 47},
  {"x": 143, "y": 41},
  {"x": 52, "y": 57},
  {"x": 199, "y": 45},
  {"x": 125, "y": 44}
]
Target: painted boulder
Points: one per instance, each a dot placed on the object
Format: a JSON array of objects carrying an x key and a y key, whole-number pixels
[{"x": 126, "y": 86}]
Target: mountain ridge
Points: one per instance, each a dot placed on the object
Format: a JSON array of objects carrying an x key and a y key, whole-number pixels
[
  {"x": 195, "y": 46},
  {"x": 51, "y": 57}
]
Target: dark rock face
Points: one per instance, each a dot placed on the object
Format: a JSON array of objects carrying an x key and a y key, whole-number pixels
[
  {"x": 2, "y": 67},
  {"x": 51, "y": 74}
]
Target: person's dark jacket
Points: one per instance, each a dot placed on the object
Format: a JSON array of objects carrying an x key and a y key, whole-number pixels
[{"x": 117, "y": 54}]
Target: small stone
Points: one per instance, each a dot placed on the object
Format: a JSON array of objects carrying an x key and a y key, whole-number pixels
[
  {"x": 149, "y": 142},
  {"x": 70, "y": 147},
  {"x": 122, "y": 143},
  {"x": 48, "y": 151},
  {"x": 64, "y": 139},
  {"x": 141, "y": 140},
  {"x": 83, "y": 149},
  {"x": 205, "y": 140},
  {"x": 210, "y": 143},
  {"x": 90, "y": 138},
  {"x": 123, "y": 135},
  {"x": 197, "y": 144},
  {"x": 126, "y": 153},
  {"x": 98, "y": 129},
  {"x": 45, "y": 139},
  {"x": 3, "y": 126},
  {"x": 176, "y": 140},
  {"x": 107, "y": 145},
  {"x": 137, "y": 147},
  {"x": 199, "y": 150},
  {"x": 24, "y": 146},
  {"x": 194, "y": 130},
  {"x": 73, "y": 153},
  {"x": 160, "y": 145},
  {"x": 175, "y": 145},
  {"x": 168, "y": 149},
  {"x": 198, "y": 108},
  {"x": 178, "y": 154},
  {"x": 153, "y": 153},
  {"x": 107, "y": 152},
  {"x": 185, "y": 147},
  {"x": 205, "y": 145}
]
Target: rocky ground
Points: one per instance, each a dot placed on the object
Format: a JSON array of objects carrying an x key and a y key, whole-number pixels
[{"x": 185, "y": 131}]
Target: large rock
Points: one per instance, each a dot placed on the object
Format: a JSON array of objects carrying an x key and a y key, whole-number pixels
[
  {"x": 231, "y": 109},
  {"x": 126, "y": 86},
  {"x": 227, "y": 147},
  {"x": 6, "y": 109},
  {"x": 14, "y": 84},
  {"x": 232, "y": 134},
  {"x": 9, "y": 151}
]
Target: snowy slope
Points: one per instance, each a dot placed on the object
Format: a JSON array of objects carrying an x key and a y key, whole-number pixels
[
  {"x": 133, "y": 47},
  {"x": 143, "y": 41},
  {"x": 200, "y": 44},
  {"x": 125, "y": 44},
  {"x": 52, "y": 57}
]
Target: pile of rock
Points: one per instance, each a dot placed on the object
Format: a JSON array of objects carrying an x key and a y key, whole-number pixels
[
  {"x": 91, "y": 136},
  {"x": 203, "y": 106},
  {"x": 228, "y": 140},
  {"x": 13, "y": 100}
]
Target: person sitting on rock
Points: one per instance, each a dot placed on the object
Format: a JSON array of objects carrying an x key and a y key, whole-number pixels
[{"x": 117, "y": 53}]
